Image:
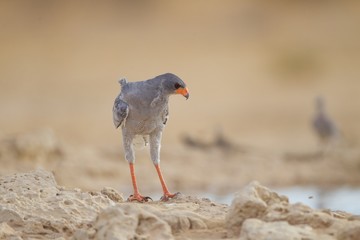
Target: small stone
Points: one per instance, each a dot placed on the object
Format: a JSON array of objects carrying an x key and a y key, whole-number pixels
[{"x": 112, "y": 194}]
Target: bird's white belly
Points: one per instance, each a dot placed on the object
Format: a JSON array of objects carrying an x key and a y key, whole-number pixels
[
  {"x": 144, "y": 120},
  {"x": 144, "y": 126}
]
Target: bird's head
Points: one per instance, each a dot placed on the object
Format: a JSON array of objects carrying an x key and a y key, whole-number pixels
[{"x": 174, "y": 85}]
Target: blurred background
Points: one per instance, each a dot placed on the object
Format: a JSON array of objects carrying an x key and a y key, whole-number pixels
[{"x": 254, "y": 70}]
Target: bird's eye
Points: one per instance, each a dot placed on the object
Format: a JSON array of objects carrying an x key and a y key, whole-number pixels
[{"x": 177, "y": 85}]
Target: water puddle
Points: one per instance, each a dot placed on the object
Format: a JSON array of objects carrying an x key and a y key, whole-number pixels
[{"x": 344, "y": 198}]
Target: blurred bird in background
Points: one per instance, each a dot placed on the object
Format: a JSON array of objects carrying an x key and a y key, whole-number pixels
[
  {"x": 141, "y": 109},
  {"x": 324, "y": 127}
]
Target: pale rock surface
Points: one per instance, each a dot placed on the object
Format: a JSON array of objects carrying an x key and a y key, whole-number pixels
[
  {"x": 129, "y": 221},
  {"x": 252, "y": 202},
  {"x": 6, "y": 232},
  {"x": 255, "y": 229},
  {"x": 33, "y": 206},
  {"x": 199, "y": 215},
  {"x": 112, "y": 194},
  {"x": 256, "y": 201}
]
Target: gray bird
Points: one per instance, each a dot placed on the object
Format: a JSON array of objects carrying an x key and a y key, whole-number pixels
[
  {"x": 323, "y": 125},
  {"x": 141, "y": 109}
]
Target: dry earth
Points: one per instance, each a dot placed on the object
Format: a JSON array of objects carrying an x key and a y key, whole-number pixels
[
  {"x": 34, "y": 206},
  {"x": 228, "y": 166}
]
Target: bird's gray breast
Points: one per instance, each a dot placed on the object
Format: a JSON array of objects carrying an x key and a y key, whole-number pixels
[{"x": 146, "y": 114}]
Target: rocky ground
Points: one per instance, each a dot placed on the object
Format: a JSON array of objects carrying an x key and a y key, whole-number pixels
[{"x": 34, "y": 206}]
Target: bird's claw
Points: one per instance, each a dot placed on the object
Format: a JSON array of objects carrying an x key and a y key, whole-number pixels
[
  {"x": 139, "y": 198},
  {"x": 167, "y": 196}
]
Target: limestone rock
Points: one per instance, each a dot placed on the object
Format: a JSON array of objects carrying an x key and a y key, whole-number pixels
[
  {"x": 274, "y": 214},
  {"x": 251, "y": 202},
  {"x": 33, "y": 206},
  {"x": 128, "y": 221},
  {"x": 254, "y": 229},
  {"x": 32, "y": 202},
  {"x": 112, "y": 194},
  {"x": 180, "y": 220},
  {"x": 6, "y": 232}
]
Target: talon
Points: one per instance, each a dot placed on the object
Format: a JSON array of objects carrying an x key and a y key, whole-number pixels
[
  {"x": 147, "y": 198},
  {"x": 139, "y": 198},
  {"x": 167, "y": 196}
]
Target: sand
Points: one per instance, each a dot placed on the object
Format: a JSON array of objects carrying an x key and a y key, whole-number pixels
[{"x": 34, "y": 206}]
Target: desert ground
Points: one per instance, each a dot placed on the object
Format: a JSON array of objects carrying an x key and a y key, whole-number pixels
[
  {"x": 34, "y": 206},
  {"x": 253, "y": 68}
]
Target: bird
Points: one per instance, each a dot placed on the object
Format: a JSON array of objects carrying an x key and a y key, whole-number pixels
[
  {"x": 323, "y": 125},
  {"x": 141, "y": 109}
]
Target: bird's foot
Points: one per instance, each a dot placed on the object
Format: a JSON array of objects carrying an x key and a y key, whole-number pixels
[
  {"x": 139, "y": 198},
  {"x": 167, "y": 196}
]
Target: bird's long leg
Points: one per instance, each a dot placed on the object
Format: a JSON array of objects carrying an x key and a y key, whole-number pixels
[
  {"x": 130, "y": 157},
  {"x": 136, "y": 196},
  {"x": 155, "y": 140},
  {"x": 167, "y": 195}
]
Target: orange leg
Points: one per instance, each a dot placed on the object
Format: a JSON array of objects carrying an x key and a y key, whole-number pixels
[
  {"x": 136, "y": 196},
  {"x": 167, "y": 195}
]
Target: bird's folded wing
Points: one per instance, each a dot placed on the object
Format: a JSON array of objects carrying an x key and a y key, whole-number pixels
[{"x": 120, "y": 112}]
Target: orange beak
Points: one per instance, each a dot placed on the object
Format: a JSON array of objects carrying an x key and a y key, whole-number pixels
[{"x": 183, "y": 91}]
